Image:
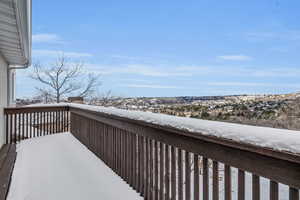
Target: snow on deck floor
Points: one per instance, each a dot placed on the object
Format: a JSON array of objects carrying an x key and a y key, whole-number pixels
[{"x": 58, "y": 167}]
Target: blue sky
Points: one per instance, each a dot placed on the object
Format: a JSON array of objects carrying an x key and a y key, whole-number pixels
[{"x": 173, "y": 48}]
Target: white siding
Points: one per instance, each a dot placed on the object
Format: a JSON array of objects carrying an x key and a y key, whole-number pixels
[{"x": 3, "y": 97}]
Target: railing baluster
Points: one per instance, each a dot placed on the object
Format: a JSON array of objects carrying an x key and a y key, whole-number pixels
[
  {"x": 61, "y": 121},
  {"x": 294, "y": 194},
  {"x": 180, "y": 174},
  {"x": 38, "y": 124},
  {"x": 99, "y": 141},
  {"x": 27, "y": 126},
  {"x": 23, "y": 126},
  {"x": 139, "y": 167},
  {"x": 215, "y": 190},
  {"x": 241, "y": 185},
  {"x": 15, "y": 127},
  {"x": 56, "y": 121},
  {"x": 107, "y": 159},
  {"x": 47, "y": 123},
  {"x": 42, "y": 125},
  {"x": 6, "y": 126},
  {"x": 109, "y": 146},
  {"x": 102, "y": 142},
  {"x": 142, "y": 162},
  {"x": 167, "y": 175},
  {"x": 133, "y": 152},
  {"x": 111, "y": 136},
  {"x": 162, "y": 171},
  {"x": 53, "y": 122},
  {"x": 156, "y": 196},
  {"x": 123, "y": 154},
  {"x": 11, "y": 128},
  {"x": 205, "y": 179},
  {"x": 151, "y": 170},
  {"x": 227, "y": 182},
  {"x": 118, "y": 151},
  {"x": 30, "y": 125},
  {"x": 19, "y": 127},
  {"x": 147, "y": 170},
  {"x": 68, "y": 121},
  {"x": 187, "y": 176},
  {"x": 255, "y": 187},
  {"x": 130, "y": 159},
  {"x": 135, "y": 167},
  {"x": 273, "y": 190},
  {"x": 115, "y": 149},
  {"x": 65, "y": 120},
  {"x": 62, "y": 124},
  {"x": 173, "y": 173},
  {"x": 196, "y": 178}
]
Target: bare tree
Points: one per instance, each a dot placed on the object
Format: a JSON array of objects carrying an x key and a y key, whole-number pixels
[
  {"x": 64, "y": 78},
  {"x": 102, "y": 99},
  {"x": 45, "y": 96}
]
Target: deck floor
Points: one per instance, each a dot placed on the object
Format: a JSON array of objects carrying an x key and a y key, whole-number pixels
[{"x": 59, "y": 167}]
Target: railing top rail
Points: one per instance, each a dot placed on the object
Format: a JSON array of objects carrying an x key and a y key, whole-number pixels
[
  {"x": 29, "y": 109},
  {"x": 281, "y": 144}
]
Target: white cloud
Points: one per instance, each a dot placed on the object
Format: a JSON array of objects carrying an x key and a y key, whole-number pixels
[
  {"x": 46, "y": 38},
  {"x": 144, "y": 70},
  {"x": 276, "y": 72},
  {"x": 254, "y": 84},
  {"x": 288, "y": 35},
  {"x": 235, "y": 57},
  {"x": 245, "y": 84},
  {"x": 54, "y": 53},
  {"x": 133, "y": 58},
  {"x": 192, "y": 71},
  {"x": 151, "y": 86}
]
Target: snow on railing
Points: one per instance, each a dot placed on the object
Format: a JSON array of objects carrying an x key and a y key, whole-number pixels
[
  {"x": 282, "y": 140},
  {"x": 161, "y": 155}
]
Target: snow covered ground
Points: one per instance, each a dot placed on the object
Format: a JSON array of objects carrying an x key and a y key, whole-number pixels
[{"x": 58, "y": 167}]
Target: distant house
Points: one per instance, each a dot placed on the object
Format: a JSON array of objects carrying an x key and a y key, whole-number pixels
[{"x": 15, "y": 49}]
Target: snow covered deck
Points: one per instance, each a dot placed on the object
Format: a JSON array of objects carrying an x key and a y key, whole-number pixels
[{"x": 60, "y": 167}]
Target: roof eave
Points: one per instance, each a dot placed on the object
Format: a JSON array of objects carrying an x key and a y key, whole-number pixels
[{"x": 23, "y": 11}]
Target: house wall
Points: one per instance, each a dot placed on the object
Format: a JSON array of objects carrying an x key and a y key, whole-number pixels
[
  {"x": 3, "y": 96},
  {"x": 11, "y": 87}
]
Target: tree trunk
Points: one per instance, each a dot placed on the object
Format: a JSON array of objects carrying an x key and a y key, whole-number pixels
[{"x": 57, "y": 97}]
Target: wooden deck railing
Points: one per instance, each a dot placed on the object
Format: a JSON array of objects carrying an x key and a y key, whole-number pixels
[
  {"x": 29, "y": 122},
  {"x": 167, "y": 163}
]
